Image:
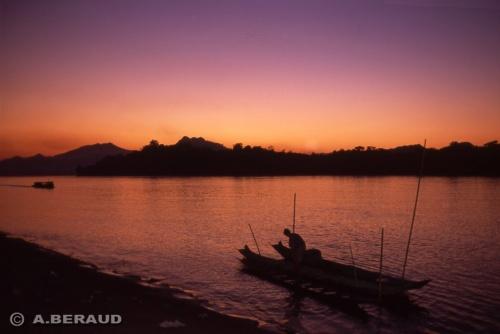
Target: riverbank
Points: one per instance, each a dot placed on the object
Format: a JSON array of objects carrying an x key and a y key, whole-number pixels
[{"x": 36, "y": 280}]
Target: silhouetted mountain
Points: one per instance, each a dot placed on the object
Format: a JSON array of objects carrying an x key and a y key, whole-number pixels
[
  {"x": 200, "y": 143},
  {"x": 184, "y": 158},
  {"x": 61, "y": 164}
]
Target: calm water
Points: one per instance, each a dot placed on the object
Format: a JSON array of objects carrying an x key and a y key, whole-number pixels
[{"x": 186, "y": 231}]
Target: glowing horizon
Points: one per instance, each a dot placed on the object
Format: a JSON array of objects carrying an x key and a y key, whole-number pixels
[{"x": 300, "y": 76}]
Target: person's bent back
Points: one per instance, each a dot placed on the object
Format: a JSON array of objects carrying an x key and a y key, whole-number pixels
[{"x": 297, "y": 246}]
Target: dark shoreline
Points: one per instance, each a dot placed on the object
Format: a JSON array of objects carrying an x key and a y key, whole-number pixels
[
  {"x": 36, "y": 280},
  {"x": 196, "y": 156},
  {"x": 200, "y": 157}
]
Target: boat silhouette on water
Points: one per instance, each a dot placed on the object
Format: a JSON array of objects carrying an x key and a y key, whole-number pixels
[
  {"x": 325, "y": 276},
  {"x": 44, "y": 185}
]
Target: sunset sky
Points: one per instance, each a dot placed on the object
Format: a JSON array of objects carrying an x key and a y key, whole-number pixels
[{"x": 299, "y": 75}]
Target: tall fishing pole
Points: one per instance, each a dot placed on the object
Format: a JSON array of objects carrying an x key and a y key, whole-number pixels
[
  {"x": 414, "y": 208},
  {"x": 294, "y": 203},
  {"x": 380, "y": 266}
]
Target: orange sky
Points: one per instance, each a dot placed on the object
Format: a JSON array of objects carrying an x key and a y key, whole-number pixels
[{"x": 311, "y": 77}]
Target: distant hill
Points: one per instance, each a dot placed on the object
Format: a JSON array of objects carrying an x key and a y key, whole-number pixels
[
  {"x": 60, "y": 164},
  {"x": 196, "y": 156},
  {"x": 199, "y": 143}
]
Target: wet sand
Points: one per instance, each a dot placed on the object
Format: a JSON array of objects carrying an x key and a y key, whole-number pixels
[{"x": 36, "y": 280}]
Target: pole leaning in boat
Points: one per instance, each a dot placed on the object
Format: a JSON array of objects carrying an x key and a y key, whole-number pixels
[
  {"x": 294, "y": 203},
  {"x": 414, "y": 208},
  {"x": 254, "y": 239}
]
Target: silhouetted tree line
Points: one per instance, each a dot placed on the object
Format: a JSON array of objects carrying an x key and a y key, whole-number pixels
[{"x": 155, "y": 159}]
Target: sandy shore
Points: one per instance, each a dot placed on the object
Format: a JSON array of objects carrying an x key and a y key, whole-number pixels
[{"x": 36, "y": 280}]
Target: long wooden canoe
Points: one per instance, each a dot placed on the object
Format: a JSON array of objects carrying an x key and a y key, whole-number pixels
[
  {"x": 325, "y": 279},
  {"x": 313, "y": 259}
]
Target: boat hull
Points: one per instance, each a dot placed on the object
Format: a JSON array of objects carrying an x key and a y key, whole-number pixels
[
  {"x": 319, "y": 277},
  {"x": 313, "y": 259}
]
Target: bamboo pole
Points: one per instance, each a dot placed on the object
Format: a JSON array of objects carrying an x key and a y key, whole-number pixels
[
  {"x": 380, "y": 268},
  {"x": 254, "y": 239},
  {"x": 414, "y": 209},
  {"x": 294, "y": 204},
  {"x": 353, "y": 266}
]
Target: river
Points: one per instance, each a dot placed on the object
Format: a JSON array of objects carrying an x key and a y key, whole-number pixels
[{"x": 186, "y": 232}]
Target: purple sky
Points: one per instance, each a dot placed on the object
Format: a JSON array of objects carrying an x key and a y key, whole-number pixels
[{"x": 301, "y": 75}]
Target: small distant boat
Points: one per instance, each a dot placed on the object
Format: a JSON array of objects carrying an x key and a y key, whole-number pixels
[{"x": 44, "y": 185}]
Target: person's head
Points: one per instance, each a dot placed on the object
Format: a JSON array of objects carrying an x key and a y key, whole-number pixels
[{"x": 287, "y": 232}]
